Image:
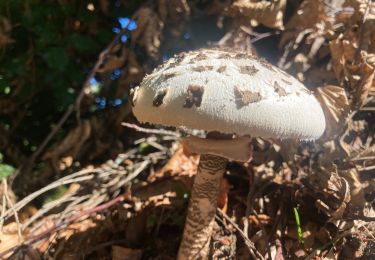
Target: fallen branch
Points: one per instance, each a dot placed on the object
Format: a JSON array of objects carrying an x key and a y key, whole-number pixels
[{"x": 66, "y": 223}]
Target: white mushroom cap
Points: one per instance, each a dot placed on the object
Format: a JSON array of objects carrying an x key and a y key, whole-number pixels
[{"x": 229, "y": 92}]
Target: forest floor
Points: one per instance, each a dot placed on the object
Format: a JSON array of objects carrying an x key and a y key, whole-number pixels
[{"x": 294, "y": 200}]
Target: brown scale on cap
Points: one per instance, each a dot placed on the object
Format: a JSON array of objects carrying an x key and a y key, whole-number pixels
[
  {"x": 169, "y": 75},
  {"x": 194, "y": 96},
  {"x": 251, "y": 70},
  {"x": 245, "y": 97},
  {"x": 221, "y": 69},
  {"x": 199, "y": 57},
  {"x": 265, "y": 64},
  {"x": 158, "y": 99},
  {"x": 243, "y": 55},
  {"x": 180, "y": 57},
  {"x": 202, "y": 68},
  {"x": 177, "y": 59},
  {"x": 279, "y": 89},
  {"x": 224, "y": 55}
]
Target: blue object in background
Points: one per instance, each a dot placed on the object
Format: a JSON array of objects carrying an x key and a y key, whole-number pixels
[
  {"x": 93, "y": 81},
  {"x": 124, "y": 21},
  {"x": 117, "y": 102},
  {"x": 132, "y": 25},
  {"x": 101, "y": 102},
  {"x": 123, "y": 38},
  {"x": 187, "y": 36}
]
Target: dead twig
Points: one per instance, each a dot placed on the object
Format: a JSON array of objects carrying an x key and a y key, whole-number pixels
[
  {"x": 66, "y": 223},
  {"x": 11, "y": 207},
  {"x": 76, "y": 177},
  {"x": 150, "y": 131},
  {"x": 252, "y": 249},
  {"x": 362, "y": 31}
]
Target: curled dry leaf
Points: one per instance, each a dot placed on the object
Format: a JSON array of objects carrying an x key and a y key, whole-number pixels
[
  {"x": 9, "y": 236},
  {"x": 311, "y": 18},
  {"x": 174, "y": 10},
  {"x": 363, "y": 86},
  {"x": 113, "y": 61},
  {"x": 335, "y": 106},
  {"x": 179, "y": 164},
  {"x": 148, "y": 32},
  {"x": 268, "y": 13},
  {"x": 131, "y": 76},
  {"x": 332, "y": 192},
  {"x": 360, "y": 9},
  {"x": 360, "y": 76},
  {"x": 342, "y": 51},
  {"x": 71, "y": 144},
  {"x": 306, "y": 34}
]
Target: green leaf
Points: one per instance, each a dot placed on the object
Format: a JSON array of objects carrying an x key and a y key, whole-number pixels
[
  {"x": 104, "y": 36},
  {"x": 56, "y": 58},
  {"x": 55, "y": 194},
  {"x": 47, "y": 35},
  {"x": 83, "y": 43},
  {"x": 5, "y": 170}
]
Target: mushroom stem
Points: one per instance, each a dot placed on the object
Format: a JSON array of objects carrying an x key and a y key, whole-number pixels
[
  {"x": 202, "y": 208},
  {"x": 237, "y": 149}
]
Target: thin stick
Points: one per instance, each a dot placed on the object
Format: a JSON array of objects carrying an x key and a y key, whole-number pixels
[
  {"x": 66, "y": 223},
  {"x": 3, "y": 208},
  {"x": 11, "y": 206},
  {"x": 361, "y": 30},
  {"x": 252, "y": 249},
  {"x": 149, "y": 130},
  {"x": 76, "y": 177},
  {"x": 45, "y": 142}
]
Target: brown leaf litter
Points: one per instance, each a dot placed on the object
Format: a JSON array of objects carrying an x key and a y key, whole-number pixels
[{"x": 327, "y": 44}]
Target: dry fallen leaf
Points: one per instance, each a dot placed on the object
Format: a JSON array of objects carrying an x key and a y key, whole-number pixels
[
  {"x": 268, "y": 13},
  {"x": 114, "y": 61},
  {"x": 148, "y": 32},
  {"x": 70, "y": 145},
  {"x": 335, "y": 106},
  {"x": 367, "y": 73},
  {"x": 9, "y": 237},
  {"x": 180, "y": 164}
]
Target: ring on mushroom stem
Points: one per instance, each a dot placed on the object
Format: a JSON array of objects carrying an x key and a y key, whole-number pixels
[{"x": 228, "y": 92}]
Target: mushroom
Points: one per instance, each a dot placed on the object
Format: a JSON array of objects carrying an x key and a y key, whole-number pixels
[{"x": 228, "y": 92}]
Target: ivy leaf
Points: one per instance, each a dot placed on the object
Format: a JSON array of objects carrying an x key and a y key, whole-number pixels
[
  {"x": 5, "y": 170},
  {"x": 83, "y": 43},
  {"x": 56, "y": 58}
]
